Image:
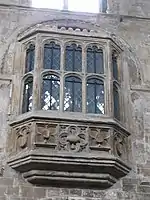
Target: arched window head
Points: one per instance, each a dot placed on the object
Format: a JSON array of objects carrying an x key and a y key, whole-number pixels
[
  {"x": 95, "y": 96},
  {"x": 115, "y": 65},
  {"x": 27, "y": 95},
  {"x": 73, "y": 94},
  {"x": 52, "y": 56},
  {"x": 95, "y": 60},
  {"x": 116, "y": 102},
  {"x": 50, "y": 92},
  {"x": 30, "y": 57},
  {"x": 73, "y": 58}
]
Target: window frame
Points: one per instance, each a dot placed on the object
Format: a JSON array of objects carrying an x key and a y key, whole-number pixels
[
  {"x": 68, "y": 75},
  {"x": 28, "y": 48},
  {"x": 63, "y": 41},
  {"x": 117, "y": 82},
  {"x": 47, "y": 43},
  {"x": 49, "y": 74},
  {"x": 24, "y": 79},
  {"x": 101, "y": 80}
]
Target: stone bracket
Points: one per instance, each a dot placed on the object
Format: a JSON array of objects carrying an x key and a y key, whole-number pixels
[{"x": 50, "y": 152}]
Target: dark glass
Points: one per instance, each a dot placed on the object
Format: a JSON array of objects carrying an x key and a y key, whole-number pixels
[
  {"x": 73, "y": 94},
  {"x": 95, "y": 96},
  {"x": 27, "y": 95},
  {"x": 50, "y": 92},
  {"x": 95, "y": 60},
  {"x": 30, "y": 57},
  {"x": 104, "y": 6},
  {"x": 116, "y": 102},
  {"x": 73, "y": 58},
  {"x": 115, "y": 66},
  {"x": 52, "y": 56}
]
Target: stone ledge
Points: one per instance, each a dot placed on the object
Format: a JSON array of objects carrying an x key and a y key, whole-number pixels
[
  {"x": 100, "y": 171},
  {"x": 76, "y": 118},
  {"x": 85, "y": 180}
]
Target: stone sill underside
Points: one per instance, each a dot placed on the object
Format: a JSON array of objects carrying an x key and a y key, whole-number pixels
[
  {"x": 69, "y": 153},
  {"x": 82, "y": 171}
]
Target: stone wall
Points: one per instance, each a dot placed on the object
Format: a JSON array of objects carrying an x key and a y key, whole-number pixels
[
  {"x": 133, "y": 33},
  {"x": 138, "y": 8},
  {"x": 16, "y": 2}
]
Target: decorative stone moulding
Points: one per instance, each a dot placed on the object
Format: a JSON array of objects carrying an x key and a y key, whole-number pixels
[
  {"x": 66, "y": 27},
  {"x": 70, "y": 153}
]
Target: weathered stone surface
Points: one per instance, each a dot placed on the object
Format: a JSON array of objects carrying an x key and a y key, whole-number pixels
[
  {"x": 84, "y": 163},
  {"x": 131, "y": 34}
]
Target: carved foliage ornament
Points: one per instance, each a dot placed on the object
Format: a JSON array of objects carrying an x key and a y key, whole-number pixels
[
  {"x": 99, "y": 138},
  {"x": 72, "y": 138},
  {"x": 23, "y": 135}
]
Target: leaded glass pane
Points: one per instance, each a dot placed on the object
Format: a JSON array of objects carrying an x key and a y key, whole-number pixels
[
  {"x": 95, "y": 60},
  {"x": 116, "y": 102},
  {"x": 115, "y": 66},
  {"x": 95, "y": 96},
  {"x": 73, "y": 94},
  {"x": 27, "y": 95},
  {"x": 52, "y": 56},
  {"x": 51, "y": 91},
  {"x": 30, "y": 57},
  {"x": 73, "y": 58}
]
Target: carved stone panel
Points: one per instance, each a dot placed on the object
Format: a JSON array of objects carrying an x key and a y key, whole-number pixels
[
  {"x": 45, "y": 134},
  {"x": 72, "y": 138},
  {"x": 23, "y": 136},
  {"x": 119, "y": 144},
  {"x": 65, "y": 153},
  {"x": 99, "y": 139}
]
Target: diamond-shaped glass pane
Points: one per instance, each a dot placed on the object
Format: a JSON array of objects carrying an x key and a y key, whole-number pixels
[
  {"x": 95, "y": 60},
  {"x": 95, "y": 96},
  {"x": 73, "y": 58},
  {"x": 52, "y": 56},
  {"x": 30, "y": 56},
  {"x": 73, "y": 94},
  {"x": 27, "y": 96},
  {"x": 51, "y": 90}
]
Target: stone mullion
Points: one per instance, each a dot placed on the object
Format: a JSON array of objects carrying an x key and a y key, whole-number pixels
[
  {"x": 62, "y": 64},
  {"x": 121, "y": 85},
  {"x": 37, "y": 74},
  {"x": 23, "y": 65},
  {"x": 84, "y": 79},
  {"x": 109, "y": 81}
]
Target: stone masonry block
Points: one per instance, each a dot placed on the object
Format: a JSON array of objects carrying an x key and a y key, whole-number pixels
[{"x": 39, "y": 192}]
